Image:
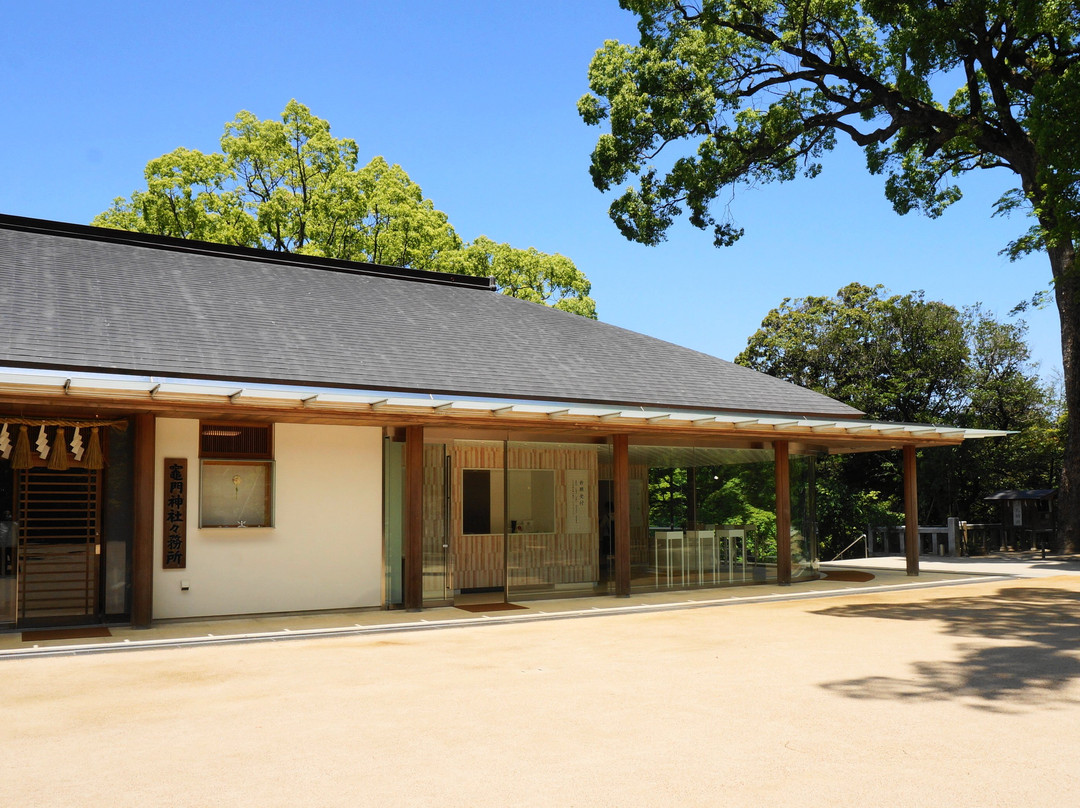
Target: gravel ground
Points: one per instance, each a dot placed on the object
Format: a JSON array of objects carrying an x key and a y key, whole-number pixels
[{"x": 960, "y": 696}]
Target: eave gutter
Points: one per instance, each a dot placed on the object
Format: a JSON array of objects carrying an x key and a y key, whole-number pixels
[{"x": 154, "y": 393}]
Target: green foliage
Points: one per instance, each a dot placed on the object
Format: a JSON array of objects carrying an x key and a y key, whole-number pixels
[
  {"x": 899, "y": 358},
  {"x": 527, "y": 274},
  {"x": 736, "y": 494},
  {"x": 667, "y": 496},
  {"x": 289, "y": 185},
  {"x": 759, "y": 90},
  {"x": 903, "y": 358},
  {"x": 746, "y": 92},
  {"x": 855, "y": 491}
]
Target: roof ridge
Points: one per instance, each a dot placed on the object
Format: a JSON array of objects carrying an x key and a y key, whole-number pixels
[{"x": 109, "y": 235}]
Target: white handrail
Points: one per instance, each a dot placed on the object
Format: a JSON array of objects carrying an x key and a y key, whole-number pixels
[{"x": 861, "y": 538}]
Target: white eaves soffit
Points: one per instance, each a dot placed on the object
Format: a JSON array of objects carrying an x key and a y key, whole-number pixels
[{"x": 440, "y": 411}]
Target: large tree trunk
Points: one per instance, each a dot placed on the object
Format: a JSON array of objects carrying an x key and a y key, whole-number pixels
[{"x": 1067, "y": 293}]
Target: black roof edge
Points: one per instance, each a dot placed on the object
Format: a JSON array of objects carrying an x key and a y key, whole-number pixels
[
  {"x": 61, "y": 369},
  {"x": 1021, "y": 494},
  {"x": 110, "y": 236}
]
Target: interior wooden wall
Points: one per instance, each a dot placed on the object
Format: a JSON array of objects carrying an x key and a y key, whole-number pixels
[{"x": 536, "y": 559}]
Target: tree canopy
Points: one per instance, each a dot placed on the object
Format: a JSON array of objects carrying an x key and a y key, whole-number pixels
[
  {"x": 899, "y": 358},
  {"x": 721, "y": 93},
  {"x": 551, "y": 279},
  {"x": 289, "y": 185},
  {"x": 905, "y": 358}
]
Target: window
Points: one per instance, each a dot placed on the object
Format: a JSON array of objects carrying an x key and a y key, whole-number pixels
[
  {"x": 530, "y": 501},
  {"x": 237, "y": 479},
  {"x": 481, "y": 507}
]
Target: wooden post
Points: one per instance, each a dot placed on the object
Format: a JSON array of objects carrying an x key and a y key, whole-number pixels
[
  {"x": 911, "y": 512},
  {"x": 414, "y": 518},
  {"x": 620, "y": 463},
  {"x": 783, "y": 513},
  {"x": 142, "y": 550}
]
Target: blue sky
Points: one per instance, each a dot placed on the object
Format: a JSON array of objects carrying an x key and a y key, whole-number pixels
[{"x": 476, "y": 101}]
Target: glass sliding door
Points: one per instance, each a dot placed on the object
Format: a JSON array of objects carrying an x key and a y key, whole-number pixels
[
  {"x": 478, "y": 520},
  {"x": 393, "y": 521},
  {"x": 804, "y": 544},
  {"x": 437, "y": 551},
  {"x": 524, "y": 519},
  {"x": 710, "y": 516},
  {"x": 553, "y": 529}
]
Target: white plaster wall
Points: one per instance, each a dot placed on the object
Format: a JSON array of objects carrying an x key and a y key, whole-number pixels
[{"x": 324, "y": 551}]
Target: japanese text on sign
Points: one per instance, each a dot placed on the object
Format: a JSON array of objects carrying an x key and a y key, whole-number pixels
[
  {"x": 578, "y": 517},
  {"x": 175, "y": 514}
]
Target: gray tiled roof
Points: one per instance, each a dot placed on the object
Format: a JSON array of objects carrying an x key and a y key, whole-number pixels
[{"x": 83, "y": 298}]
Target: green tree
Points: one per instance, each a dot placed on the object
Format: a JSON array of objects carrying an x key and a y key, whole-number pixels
[
  {"x": 904, "y": 358},
  {"x": 759, "y": 90},
  {"x": 527, "y": 274},
  {"x": 289, "y": 185},
  {"x": 899, "y": 358}
]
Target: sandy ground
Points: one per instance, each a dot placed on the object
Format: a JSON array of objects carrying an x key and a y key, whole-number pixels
[{"x": 960, "y": 696}]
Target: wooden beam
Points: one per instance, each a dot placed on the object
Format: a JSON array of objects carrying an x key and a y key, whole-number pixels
[
  {"x": 911, "y": 511},
  {"x": 620, "y": 463},
  {"x": 414, "y": 518},
  {"x": 314, "y": 413},
  {"x": 142, "y": 550},
  {"x": 783, "y": 513}
]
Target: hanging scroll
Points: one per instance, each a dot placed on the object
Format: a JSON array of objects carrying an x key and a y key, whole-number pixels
[
  {"x": 578, "y": 517},
  {"x": 176, "y": 493}
]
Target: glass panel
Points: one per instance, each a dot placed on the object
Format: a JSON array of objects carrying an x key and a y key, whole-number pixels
[
  {"x": 709, "y": 516},
  {"x": 804, "y": 550},
  {"x": 605, "y": 517},
  {"x": 236, "y": 493},
  {"x": 554, "y": 538},
  {"x": 477, "y": 537},
  {"x": 481, "y": 501},
  {"x": 438, "y": 575},
  {"x": 394, "y": 519},
  {"x": 530, "y": 500},
  {"x": 530, "y": 503},
  {"x": 117, "y": 518}
]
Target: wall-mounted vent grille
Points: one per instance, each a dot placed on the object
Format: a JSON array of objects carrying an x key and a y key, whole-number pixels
[{"x": 235, "y": 440}]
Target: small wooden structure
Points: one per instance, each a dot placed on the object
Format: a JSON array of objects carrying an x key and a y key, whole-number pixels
[{"x": 1028, "y": 518}]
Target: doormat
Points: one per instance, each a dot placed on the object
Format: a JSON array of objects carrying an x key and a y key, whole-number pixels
[
  {"x": 66, "y": 634},
  {"x": 489, "y": 607},
  {"x": 848, "y": 575}
]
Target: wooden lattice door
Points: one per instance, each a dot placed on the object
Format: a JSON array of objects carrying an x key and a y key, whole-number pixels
[{"x": 59, "y": 516}]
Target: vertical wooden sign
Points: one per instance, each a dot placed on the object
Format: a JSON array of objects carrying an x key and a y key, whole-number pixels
[
  {"x": 176, "y": 494},
  {"x": 578, "y": 517}
]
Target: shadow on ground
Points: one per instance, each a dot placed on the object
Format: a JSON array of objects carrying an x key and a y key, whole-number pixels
[{"x": 1022, "y": 654}]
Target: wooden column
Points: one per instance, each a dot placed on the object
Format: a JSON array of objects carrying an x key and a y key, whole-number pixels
[
  {"x": 414, "y": 518},
  {"x": 911, "y": 512},
  {"x": 783, "y": 513},
  {"x": 142, "y": 550},
  {"x": 620, "y": 463}
]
